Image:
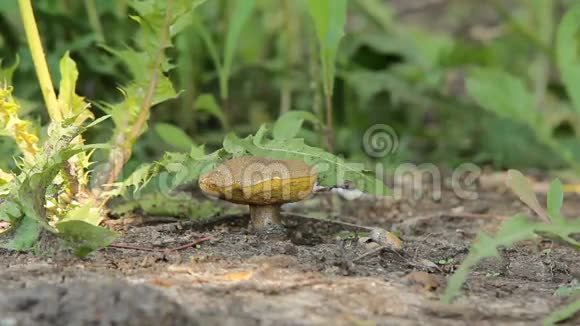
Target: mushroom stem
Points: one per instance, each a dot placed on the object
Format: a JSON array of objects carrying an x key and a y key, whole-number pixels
[{"x": 265, "y": 216}]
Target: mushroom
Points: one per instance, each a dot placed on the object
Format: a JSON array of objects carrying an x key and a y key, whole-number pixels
[{"x": 262, "y": 183}]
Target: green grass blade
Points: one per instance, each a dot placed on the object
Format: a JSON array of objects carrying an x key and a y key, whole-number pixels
[
  {"x": 511, "y": 231},
  {"x": 563, "y": 313},
  {"x": 567, "y": 54},
  {"x": 555, "y": 200},
  {"x": 329, "y": 20},
  {"x": 240, "y": 15}
]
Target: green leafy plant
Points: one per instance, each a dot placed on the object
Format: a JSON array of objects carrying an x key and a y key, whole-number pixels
[
  {"x": 174, "y": 136},
  {"x": 492, "y": 274},
  {"x": 519, "y": 228},
  {"x": 11, "y": 125},
  {"x": 290, "y": 124},
  {"x": 160, "y": 204},
  {"x": 148, "y": 65},
  {"x": 223, "y": 63},
  {"x": 447, "y": 261},
  {"x": 332, "y": 170},
  {"x": 568, "y": 290},
  {"x": 507, "y": 96},
  {"x": 386, "y": 71},
  {"x": 530, "y": 100},
  {"x": 207, "y": 103},
  {"x": 33, "y": 196},
  {"x": 329, "y": 20},
  {"x": 38, "y": 199},
  {"x": 50, "y": 196},
  {"x": 568, "y": 59}
]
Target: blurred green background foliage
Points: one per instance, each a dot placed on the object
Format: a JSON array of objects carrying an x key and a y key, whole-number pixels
[{"x": 478, "y": 81}]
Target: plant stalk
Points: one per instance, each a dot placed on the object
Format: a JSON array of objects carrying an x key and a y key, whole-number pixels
[
  {"x": 543, "y": 18},
  {"x": 314, "y": 72},
  {"x": 46, "y": 85},
  {"x": 94, "y": 20},
  {"x": 39, "y": 60},
  {"x": 328, "y": 131},
  {"x": 292, "y": 55},
  {"x": 123, "y": 143}
]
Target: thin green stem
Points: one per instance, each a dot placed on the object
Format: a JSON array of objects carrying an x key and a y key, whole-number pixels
[
  {"x": 71, "y": 172},
  {"x": 523, "y": 30},
  {"x": 329, "y": 117},
  {"x": 121, "y": 8},
  {"x": 94, "y": 20},
  {"x": 327, "y": 85},
  {"x": 222, "y": 71},
  {"x": 314, "y": 72},
  {"x": 289, "y": 53},
  {"x": 224, "y": 92},
  {"x": 39, "y": 59},
  {"x": 123, "y": 144},
  {"x": 543, "y": 18}
]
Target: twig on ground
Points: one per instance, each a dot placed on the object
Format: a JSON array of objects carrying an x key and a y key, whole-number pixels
[
  {"x": 473, "y": 215},
  {"x": 191, "y": 244},
  {"x": 369, "y": 253},
  {"x": 126, "y": 246},
  {"x": 185, "y": 246},
  {"x": 377, "y": 250}
]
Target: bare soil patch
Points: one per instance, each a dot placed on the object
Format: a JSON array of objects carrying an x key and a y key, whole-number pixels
[{"x": 314, "y": 275}]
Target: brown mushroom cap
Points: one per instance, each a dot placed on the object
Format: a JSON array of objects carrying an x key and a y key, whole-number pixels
[{"x": 259, "y": 181}]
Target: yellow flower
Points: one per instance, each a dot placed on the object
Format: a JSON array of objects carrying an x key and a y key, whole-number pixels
[{"x": 12, "y": 126}]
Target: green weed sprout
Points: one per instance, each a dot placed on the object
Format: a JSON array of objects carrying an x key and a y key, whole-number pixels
[{"x": 519, "y": 228}]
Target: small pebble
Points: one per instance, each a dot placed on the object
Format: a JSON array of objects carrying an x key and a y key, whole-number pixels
[
  {"x": 429, "y": 265},
  {"x": 368, "y": 243},
  {"x": 386, "y": 238}
]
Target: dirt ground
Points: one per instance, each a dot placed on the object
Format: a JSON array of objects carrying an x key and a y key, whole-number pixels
[
  {"x": 317, "y": 274},
  {"x": 314, "y": 276}
]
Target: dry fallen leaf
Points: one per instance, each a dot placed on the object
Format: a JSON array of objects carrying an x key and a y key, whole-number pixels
[
  {"x": 236, "y": 276},
  {"x": 4, "y": 226},
  {"x": 425, "y": 280},
  {"x": 162, "y": 283}
]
